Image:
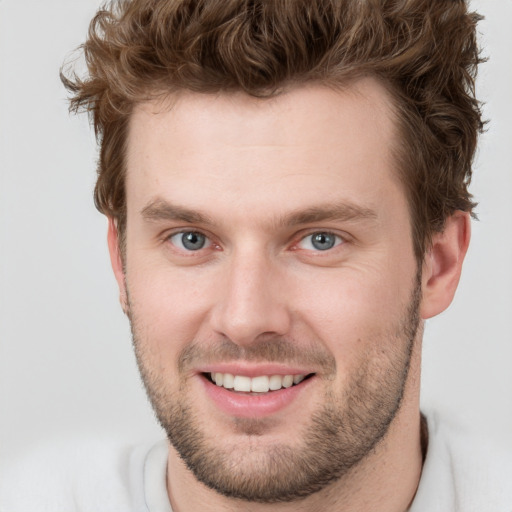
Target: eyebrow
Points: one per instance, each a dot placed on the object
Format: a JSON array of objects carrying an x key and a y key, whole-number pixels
[
  {"x": 329, "y": 212},
  {"x": 161, "y": 210}
]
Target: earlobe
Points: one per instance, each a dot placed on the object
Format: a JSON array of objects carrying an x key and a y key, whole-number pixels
[
  {"x": 116, "y": 261},
  {"x": 443, "y": 264}
]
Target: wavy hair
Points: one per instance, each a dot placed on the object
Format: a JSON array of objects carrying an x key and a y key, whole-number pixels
[{"x": 425, "y": 52}]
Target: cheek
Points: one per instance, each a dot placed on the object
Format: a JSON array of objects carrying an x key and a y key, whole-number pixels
[
  {"x": 167, "y": 307},
  {"x": 346, "y": 296},
  {"x": 349, "y": 309}
]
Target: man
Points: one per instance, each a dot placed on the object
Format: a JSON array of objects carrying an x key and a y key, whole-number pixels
[{"x": 286, "y": 188}]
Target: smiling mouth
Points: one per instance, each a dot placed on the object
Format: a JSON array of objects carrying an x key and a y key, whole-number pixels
[{"x": 255, "y": 385}]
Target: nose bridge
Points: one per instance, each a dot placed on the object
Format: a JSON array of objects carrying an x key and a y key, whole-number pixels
[{"x": 250, "y": 301}]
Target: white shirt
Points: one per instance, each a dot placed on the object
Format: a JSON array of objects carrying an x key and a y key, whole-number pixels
[{"x": 460, "y": 474}]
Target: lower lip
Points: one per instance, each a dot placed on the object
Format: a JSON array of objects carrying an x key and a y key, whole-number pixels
[{"x": 245, "y": 405}]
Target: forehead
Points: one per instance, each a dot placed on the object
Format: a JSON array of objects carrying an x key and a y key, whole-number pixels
[{"x": 312, "y": 142}]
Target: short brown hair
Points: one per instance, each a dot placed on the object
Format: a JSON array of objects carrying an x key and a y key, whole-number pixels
[{"x": 424, "y": 51}]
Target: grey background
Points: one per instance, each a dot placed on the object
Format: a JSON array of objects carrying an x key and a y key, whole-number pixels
[{"x": 66, "y": 366}]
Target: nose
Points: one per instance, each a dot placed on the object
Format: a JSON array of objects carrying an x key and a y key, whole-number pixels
[{"x": 251, "y": 301}]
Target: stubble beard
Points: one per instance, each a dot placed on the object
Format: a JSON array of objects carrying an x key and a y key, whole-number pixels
[{"x": 342, "y": 432}]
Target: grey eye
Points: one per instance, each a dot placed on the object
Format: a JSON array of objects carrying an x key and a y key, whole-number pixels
[
  {"x": 320, "y": 241},
  {"x": 323, "y": 241},
  {"x": 189, "y": 240}
]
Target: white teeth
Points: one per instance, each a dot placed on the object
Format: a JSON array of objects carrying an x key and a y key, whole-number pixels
[
  {"x": 260, "y": 384},
  {"x": 229, "y": 381},
  {"x": 276, "y": 382},
  {"x": 242, "y": 383},
  {"x": 287, "y": 381}
]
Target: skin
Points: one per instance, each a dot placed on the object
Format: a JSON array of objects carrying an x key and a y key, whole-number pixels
[{"x": 251, "y": 168}]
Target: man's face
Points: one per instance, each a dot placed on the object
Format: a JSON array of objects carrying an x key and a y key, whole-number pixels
[{"x": 268, "y": 241}]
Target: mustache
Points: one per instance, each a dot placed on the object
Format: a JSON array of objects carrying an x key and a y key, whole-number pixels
[{"x": 271, "y": 349}]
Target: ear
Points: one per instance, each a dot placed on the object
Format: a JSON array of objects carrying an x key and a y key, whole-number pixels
[
  {"x": 443, "y": 264},
  {"x": 116, "y": 261}
]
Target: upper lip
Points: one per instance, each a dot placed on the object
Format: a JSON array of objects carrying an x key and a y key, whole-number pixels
[{"x": 254, "y": 370}]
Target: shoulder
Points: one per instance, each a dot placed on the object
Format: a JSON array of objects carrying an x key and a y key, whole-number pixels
[
  {"x": 68, "y": 476},
  {"x": 463, "y": 471}
]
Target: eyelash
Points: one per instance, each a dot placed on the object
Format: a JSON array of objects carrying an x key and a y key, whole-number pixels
[
  {"x": 338, "y": 240},
  {"x": 207, "y": 241}
]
